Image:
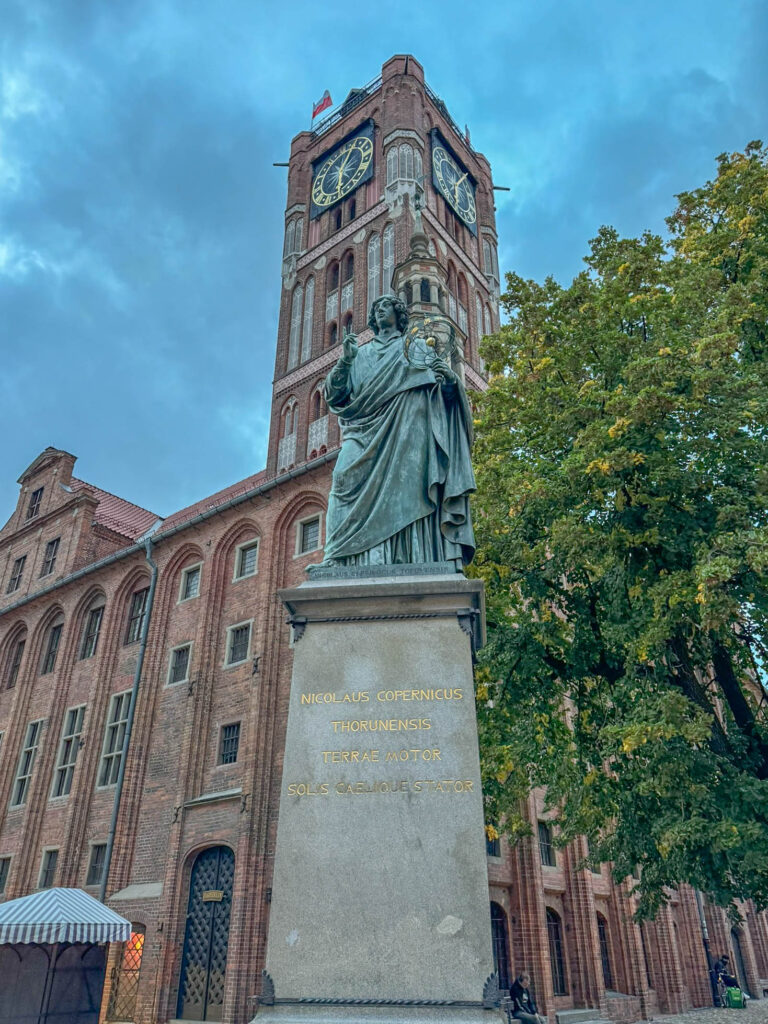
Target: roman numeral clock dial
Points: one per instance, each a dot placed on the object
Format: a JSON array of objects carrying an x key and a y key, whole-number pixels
[
  {"x": 454, "y": 183},
  {"x": 341, "y": 172}
]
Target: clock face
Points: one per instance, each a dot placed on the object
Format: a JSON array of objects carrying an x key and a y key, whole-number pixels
[
  {"x": 454, "y": 184},
  {"x": 342, "y": 172}
]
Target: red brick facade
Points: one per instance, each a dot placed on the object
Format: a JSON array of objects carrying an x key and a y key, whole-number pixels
[{"x": 183, "y": 792}]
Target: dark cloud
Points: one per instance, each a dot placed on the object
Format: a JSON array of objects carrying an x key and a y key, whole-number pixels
[{"x": 141, "y": 217}]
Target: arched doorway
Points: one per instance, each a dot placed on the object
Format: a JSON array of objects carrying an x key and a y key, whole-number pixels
[
  {"x": 500, "y": 940},
  {"x": 204, "y": 959},
  {"x": 738, "y": 956}
]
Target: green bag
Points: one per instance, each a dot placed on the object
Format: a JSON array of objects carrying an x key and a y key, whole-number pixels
[{"x": 734, "y": 999}]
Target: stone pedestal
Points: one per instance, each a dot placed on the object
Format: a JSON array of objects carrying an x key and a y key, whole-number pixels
[{"x": 380, "y": 907}]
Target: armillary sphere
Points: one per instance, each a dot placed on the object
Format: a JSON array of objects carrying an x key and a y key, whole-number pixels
[{"x": 429, "y": 336}]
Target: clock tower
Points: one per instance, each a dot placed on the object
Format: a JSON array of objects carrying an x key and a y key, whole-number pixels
[{"x": 385, "y": 193}]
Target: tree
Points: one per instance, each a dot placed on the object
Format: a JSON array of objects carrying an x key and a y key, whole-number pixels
[{"x": 622, "y": 520}]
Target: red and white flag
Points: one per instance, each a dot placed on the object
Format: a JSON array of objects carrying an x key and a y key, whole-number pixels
[{"x": 322, "y": 104}]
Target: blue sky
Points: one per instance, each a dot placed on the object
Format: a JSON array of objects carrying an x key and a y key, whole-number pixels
[{"x": 141, "y": 217}]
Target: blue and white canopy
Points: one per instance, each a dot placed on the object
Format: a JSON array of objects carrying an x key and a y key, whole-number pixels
[{"x": 60, "y": 915}]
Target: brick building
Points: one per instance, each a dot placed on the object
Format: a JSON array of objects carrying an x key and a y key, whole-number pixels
[{"x": 100, "y": 599}]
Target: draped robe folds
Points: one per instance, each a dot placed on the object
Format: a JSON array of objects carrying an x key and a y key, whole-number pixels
[{"x": 402, "y": 480}]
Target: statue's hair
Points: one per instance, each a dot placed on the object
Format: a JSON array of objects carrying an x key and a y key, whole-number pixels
[{"x": 401, "y": 312}]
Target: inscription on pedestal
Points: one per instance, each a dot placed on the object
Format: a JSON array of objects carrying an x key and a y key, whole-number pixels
[{"x": 390, "y": 750}]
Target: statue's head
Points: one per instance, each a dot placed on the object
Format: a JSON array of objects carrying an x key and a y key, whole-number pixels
[{"x": 398, "y": 308}]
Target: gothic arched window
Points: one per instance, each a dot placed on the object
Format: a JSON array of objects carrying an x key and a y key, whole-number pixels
[
  {"x": 392, "y": 165},
  {"x": 294, "y": 339},
  {"x": 374, "y": 268},
  {"x": 605, "y": 955},
  {"x": 556, "y": 953},
  {"x": 461, "y": 290},
  {"x": 309, "y": 308},
  {"x": 348, "y": 278},
  {"x": 290, "y": 234},
  {"x": 388, "y": 261},
  {"x": 406, "y": 161},
  {"x": 289, "y": 418},
  {"x": 13, "y": 656},
  {"x": 332, "y": 291}
]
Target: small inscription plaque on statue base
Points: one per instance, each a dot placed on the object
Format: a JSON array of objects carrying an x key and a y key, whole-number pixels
[{"x": 380, "y": 907}]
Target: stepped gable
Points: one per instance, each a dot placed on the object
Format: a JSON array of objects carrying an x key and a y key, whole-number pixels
[
  {"x": 217, "y": 500},
  {"x": 117, "y": 514}
]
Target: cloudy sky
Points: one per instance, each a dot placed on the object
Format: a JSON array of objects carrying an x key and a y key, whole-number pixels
[{"x": 141, "y": 216}]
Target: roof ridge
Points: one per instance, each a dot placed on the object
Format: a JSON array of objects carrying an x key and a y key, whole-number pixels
[{"x": 102, "y": 490}]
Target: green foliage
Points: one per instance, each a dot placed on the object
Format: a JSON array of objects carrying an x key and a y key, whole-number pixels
[{"x": 622, "y": 520}]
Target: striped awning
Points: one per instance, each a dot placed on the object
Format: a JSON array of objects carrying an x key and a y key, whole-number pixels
[{"x": 60, "y": 915}]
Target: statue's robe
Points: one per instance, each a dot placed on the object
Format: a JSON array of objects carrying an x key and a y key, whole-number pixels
[{"x": 402, "y": 480}]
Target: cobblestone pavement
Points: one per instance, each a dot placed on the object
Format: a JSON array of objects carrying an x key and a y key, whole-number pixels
[{"x": 756, "y": 1012}]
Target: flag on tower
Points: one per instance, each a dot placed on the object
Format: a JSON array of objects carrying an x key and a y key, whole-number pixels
[{"x": 322, "y": 104}]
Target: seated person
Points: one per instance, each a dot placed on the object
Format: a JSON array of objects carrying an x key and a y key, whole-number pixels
[
  {"x": 523, "y": 1005},
  {"x": 722, "y": 967}
]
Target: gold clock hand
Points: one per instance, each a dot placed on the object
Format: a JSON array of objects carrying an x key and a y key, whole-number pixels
[
  {"x": 456, "y": 186},
  {"x": 341, "y": 170}
]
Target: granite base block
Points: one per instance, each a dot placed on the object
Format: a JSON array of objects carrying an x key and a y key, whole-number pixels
[
  {"x": 377, "y": 1015},
  {"x": 380, "y": 887}
]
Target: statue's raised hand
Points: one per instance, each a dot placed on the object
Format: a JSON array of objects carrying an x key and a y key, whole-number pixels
[{"x": 349, "y": 343}]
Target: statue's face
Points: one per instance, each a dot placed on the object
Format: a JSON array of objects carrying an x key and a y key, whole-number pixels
[{"x": 384, "y": 314}]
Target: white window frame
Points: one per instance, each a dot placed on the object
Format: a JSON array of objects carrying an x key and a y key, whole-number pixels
[
  {"x": 253, "y": 542},
  {"x": 230, "y": 630},
  {"x": 320, "y": 540},
  {"x": 219, "y": 752},
  {"x": 44, "y": 851},
  {"x": 94, "y": 607},
  {"x": 91, "y": 844},
  {"x": 9, "y": 858},
  {"x": 60, "y": 767},
  {"x": 182, "y": 586},
  {"x": 178, "y": 647},
  {"x": 112, "y": 755},
  {"x": 29, "y": 768}
]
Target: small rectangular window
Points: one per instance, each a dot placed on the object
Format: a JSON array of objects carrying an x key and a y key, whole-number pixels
[
  {"x": 26, "y": 764},
  {"x": 114, "y": 738},
  {"x": 34, "y": 503},
  {"x": 16, "y": 573},
  {"x": 15, "y": 664},
  {"x": 49, "y": 559},
  {"x": 52, "y": 649},
  {"x": 309, "y": 535},
  {"x": 48, "y": 869},
  {"x": 68, "y": 751},
  {"x": 96, "y": 864},
  {"x": 230, "y": 741},
  {"x": 91, "y": 634},
  {"x": 5, "y": 867},
  {"x": 247, "y": 560},
  {"x": 179, "y": 667},
  {"x": 546, "y": 849},
  {"x": 493, "y": 846},
  {"x": 239, "y": 641},
  {"x": 136, "y": 616},
  {"x": 190, "y": 583}
]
